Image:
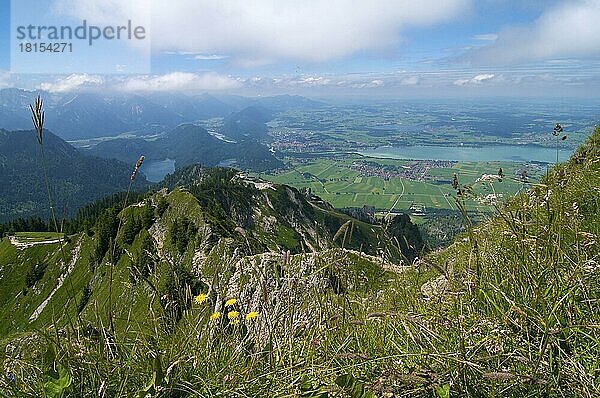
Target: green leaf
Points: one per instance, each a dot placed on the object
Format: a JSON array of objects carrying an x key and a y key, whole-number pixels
[
  {"x": 57, "y": 382},
  {"x": 358, "y": 390},
  {"x": 65, "y": 379},
  {"x": 308, "y": 390},
  {"x": 306, "y": 385},
  {"x": 353, "y": 386},
  {"x": 443, "y": 391},
  {"x": 345, "y": 381}
]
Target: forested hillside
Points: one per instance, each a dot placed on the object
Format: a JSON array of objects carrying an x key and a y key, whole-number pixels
[{"x": 75, "y": 179}]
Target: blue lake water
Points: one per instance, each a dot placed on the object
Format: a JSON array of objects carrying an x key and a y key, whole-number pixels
[
  {"x": 156, "y": 170},
  {"x": 496, "y": 153}
]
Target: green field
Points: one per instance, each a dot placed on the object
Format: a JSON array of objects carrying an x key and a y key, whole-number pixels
[{"x": 335, "y": 181}]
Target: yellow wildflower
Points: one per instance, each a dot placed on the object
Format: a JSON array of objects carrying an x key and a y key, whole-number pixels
[
  {"x": 251, "y": 315},
  {"x": 233, "y": 314},
  {"x": 215, "y": 316},
  {"x": 200, "y": 298},
  {"x": 230, "y": 302},
  {"x": 235, "y": 322}
]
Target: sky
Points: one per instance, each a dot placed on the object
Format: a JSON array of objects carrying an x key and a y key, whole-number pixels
[{"x": 337, "y": 48}]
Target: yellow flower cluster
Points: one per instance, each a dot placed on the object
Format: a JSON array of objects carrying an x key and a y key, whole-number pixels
[
  {"x": 230, "y": 302},
  {"x": 233, "y": 316},
  {"x": 251, "y": 315},
  {"x": 200, "y": 298}
]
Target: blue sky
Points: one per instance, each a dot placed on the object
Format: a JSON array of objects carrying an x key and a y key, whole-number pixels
[
  {"x": 392, "y": 48},
  {"x": 4, "y": 34}
]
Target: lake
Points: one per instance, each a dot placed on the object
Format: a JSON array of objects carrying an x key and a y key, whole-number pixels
[
  {"x": 156, "y": 170},
  {"x": 495, "y": 153}
]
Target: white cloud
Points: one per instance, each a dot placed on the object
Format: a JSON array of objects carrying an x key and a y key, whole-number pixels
[
  {"x": 72, "y": 83},
  {"x": 311, "y": 81},
  {"x": 197, "y": 56},
  {"x": 486, "y": 37},
  {"x": 272, "y": 30},
  {"x": 540, "y": 80},
  {"x": 372, "y": 84},
  {"x": 475, "y": 80},
  {"x": 352, "y": 81},
  {"x": 178, "y": 81},
  {"x": 410, "y": 81},
  {"x": 461, "y": 82},
  {"x": 571, "y": 29},
  {"x": 483, "y": 77},
  {"x": 212, "y": 57}
]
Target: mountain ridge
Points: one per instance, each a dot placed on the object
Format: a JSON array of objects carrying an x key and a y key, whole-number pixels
[
  {"x": 75, "y": 178},
  {"x": 86, "y": 114},
  {"x": 214, "y": 210},
  {"x": 189, "y": 144}
]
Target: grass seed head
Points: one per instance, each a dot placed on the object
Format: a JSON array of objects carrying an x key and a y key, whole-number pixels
[
  {"x": 38, "y": 117},
  {"x": 137, "y": 166}
]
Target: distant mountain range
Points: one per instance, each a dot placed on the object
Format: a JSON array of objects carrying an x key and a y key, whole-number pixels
[
  {"x": 189, "y": 144},
  {"x": 87, "y": 115},
  {"x": 79, "y": 176},
  {"x": 75, "y": 178},
  {"x": 250, "y": 123}
]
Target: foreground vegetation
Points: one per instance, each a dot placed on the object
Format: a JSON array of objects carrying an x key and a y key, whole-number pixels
[{"x": 509, "y": 309}]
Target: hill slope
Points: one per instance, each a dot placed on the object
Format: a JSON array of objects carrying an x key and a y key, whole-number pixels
[
  {"x": 188, "y": 144},
  {"x": 75, "y": 179},
  {"x": 208, "y": 213}
]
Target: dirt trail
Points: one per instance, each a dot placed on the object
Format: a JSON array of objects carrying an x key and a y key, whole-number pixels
[{"x": 24, "y": 245}]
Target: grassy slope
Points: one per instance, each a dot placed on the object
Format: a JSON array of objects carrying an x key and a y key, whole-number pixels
[
  {"x": 513, "y": 312},
  {"x": 131, "y": 298}
]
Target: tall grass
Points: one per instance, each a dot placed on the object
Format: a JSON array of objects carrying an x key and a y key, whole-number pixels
[
  {"x": 113, "y": 247},
  {"x": 38, "y": 117}
]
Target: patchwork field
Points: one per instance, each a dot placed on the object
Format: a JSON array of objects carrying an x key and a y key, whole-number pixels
[{"x": 340, "y": 181}]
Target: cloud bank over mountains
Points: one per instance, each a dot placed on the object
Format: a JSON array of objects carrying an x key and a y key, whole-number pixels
[{"x": 265, "y": 31}]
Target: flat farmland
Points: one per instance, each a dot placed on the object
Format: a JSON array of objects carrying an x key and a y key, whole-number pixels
[{"x": 342, "y": 182}]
